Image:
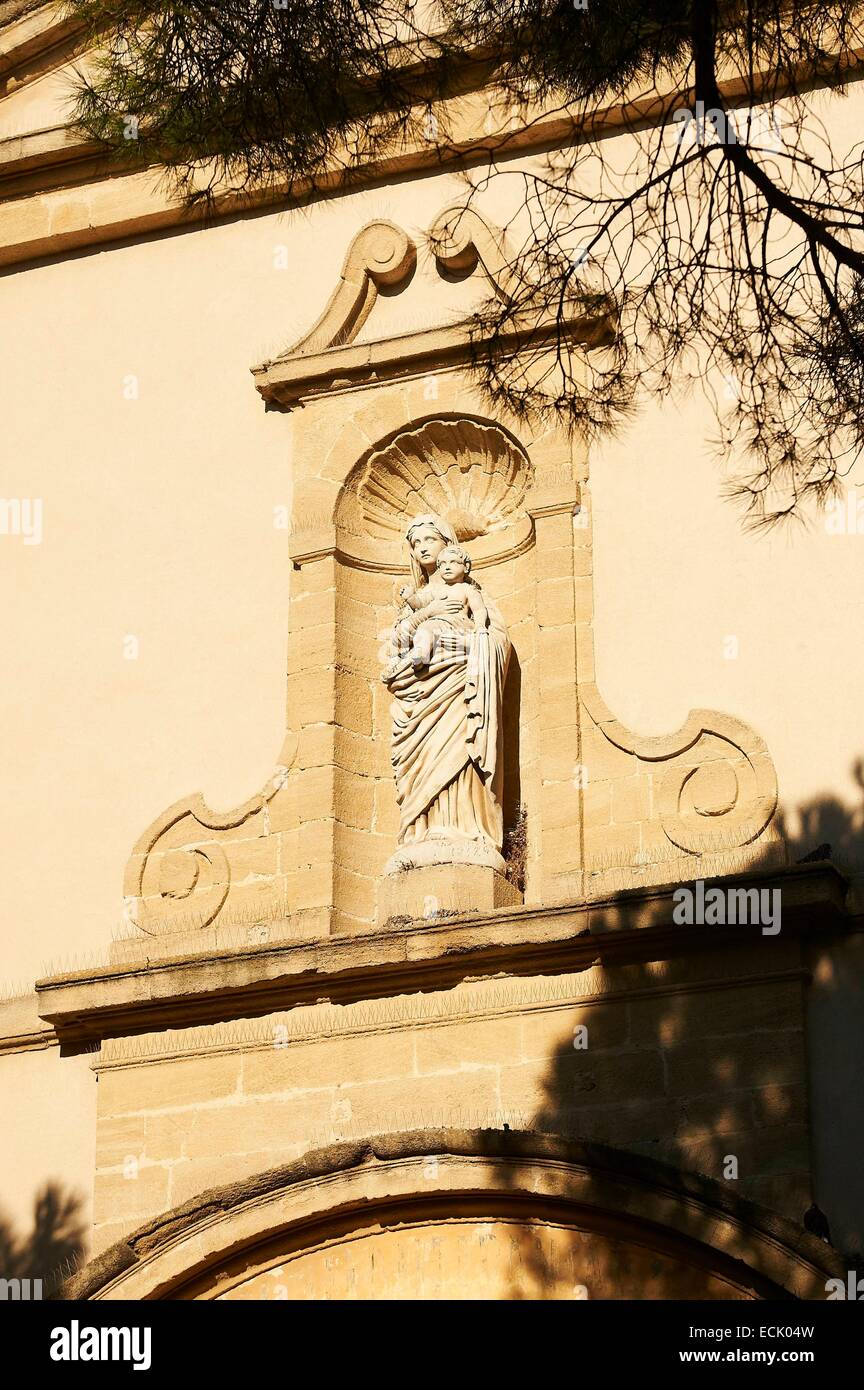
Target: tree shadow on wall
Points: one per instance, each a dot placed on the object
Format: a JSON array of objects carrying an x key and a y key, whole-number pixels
[
  {"x": 826, "y": 822},
  {"x": 55, "y": 1245},
  {"x": 695, "y": 1054}
]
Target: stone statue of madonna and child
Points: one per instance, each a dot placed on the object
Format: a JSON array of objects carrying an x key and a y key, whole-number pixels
[{"x": 447, "y": 666}]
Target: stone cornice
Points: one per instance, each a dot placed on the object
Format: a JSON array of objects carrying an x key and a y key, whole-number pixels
[
  {"x": 512, "y": 996},
  {"x": 37, "y": 39},
  {"x": 412, "y": 354},
  {"x": 254, "y": 980},
  {"x": 47, "y": 158},
  {"x": 21, "y": 1028},
  {"x": 105, "y": 206}
]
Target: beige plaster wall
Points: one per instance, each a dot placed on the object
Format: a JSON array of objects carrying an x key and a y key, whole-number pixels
[
  {"x": 693, "y": 611},
  {"x": 47, "y": 1134}
]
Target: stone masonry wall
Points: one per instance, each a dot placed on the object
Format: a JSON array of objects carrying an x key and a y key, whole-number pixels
[{"x": 684, "y": 1060}]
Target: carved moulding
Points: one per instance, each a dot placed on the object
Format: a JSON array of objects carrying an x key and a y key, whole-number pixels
[
  {"x": 719, "y": 791},
  {"x": 328, "y": 358},
  {"x": 468, "y": 470},
  {"x": 266, "y": 1225},
  {"x": 380, "y": 254},
  {"x": 193, "y": 863}
]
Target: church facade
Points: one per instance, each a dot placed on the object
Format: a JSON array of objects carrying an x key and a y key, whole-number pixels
[{"x": 512, "y": 949}]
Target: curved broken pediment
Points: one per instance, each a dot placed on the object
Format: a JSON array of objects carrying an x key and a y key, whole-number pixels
[
  {"x": 380, "y": 254},
  {"x": 329, "y": 357}
]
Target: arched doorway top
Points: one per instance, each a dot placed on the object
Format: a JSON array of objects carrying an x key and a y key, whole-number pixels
[{"x": 629, "y": 1213}]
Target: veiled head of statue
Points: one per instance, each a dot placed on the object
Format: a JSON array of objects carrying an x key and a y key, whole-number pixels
[{"x": 427, "y": 536}]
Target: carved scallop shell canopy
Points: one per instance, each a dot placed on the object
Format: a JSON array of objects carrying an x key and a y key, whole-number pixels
[{"x": 470, "y": 473}]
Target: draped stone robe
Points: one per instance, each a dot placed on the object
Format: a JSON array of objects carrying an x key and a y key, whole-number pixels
[{"x": 445, "y": 745}]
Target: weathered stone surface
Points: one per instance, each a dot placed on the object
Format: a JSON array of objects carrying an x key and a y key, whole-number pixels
[
  {"x": 168, "y": 1085},
  {"x": 771, "y": 1253},
  {"x": 438, "y": 890}
]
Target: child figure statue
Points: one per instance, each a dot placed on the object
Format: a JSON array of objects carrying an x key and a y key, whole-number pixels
[{"x": 450, "y": 581}]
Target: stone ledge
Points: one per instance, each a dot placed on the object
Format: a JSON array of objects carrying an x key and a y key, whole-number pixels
[
  {"x": 255, "y": 980},
  {"x": 21, "y": 1028},
  {"x": 113, "y": 205}
]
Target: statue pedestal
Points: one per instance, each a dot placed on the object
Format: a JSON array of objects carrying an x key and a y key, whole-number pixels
[
  {"x": 444, "y": 878},
  {"x": 444, "y": 851}
]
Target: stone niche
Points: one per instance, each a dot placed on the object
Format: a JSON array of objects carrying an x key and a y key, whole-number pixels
[
  {"x": 385, "y": 429},
  {"x": 510, "y": 501}
]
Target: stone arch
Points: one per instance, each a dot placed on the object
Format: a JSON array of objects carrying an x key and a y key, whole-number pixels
[{"x": 391, "y": 1217}]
